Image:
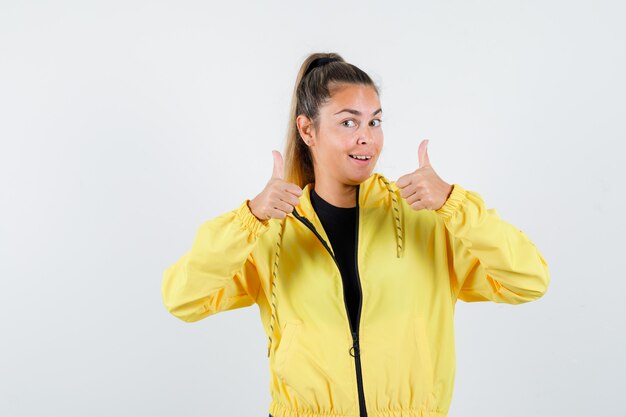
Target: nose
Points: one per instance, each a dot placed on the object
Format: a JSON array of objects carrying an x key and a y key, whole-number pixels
[{"x": 364, "y": 135}]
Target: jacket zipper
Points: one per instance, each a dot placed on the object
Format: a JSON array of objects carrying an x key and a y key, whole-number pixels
[{"x": 355, "y": 334}]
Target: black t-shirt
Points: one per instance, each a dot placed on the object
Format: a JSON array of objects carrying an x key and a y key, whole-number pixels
[{"x": 340, "y": 225}]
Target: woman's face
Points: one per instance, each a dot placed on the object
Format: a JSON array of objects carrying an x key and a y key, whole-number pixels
[{"x": 349, "y": 126}]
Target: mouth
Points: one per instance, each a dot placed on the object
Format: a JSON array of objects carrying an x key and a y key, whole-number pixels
[{"x": 361, "y": 157}]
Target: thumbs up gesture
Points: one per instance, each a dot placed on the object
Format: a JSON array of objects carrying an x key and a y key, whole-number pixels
[
  {"x": 279, "y": 197},
  {"x": 423, "y": 188}
]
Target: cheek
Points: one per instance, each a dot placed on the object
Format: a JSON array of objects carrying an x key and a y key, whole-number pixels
[
  {"x": 380, "y": 140},
  {"x": 335, "y": 148}
]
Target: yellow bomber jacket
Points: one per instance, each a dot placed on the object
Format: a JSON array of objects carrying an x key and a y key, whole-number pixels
[{"x": 413, "y": 265}]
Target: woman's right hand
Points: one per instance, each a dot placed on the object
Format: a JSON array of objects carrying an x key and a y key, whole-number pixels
[{"x": 279, "y": 197}]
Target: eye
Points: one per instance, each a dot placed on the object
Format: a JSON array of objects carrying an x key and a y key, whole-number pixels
[
  {"x": 348, "y": 121},
  {"x": 377, "y": 120}
]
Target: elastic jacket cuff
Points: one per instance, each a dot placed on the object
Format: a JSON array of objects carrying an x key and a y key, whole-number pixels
[
  {"x": 249, "y": 220},
  {"x": 453, "y": 202}
]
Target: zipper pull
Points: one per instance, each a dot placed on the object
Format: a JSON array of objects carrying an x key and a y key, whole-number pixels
[{"x": 355, "y": 345}]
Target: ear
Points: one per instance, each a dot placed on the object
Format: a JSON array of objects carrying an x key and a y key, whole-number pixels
[{"x": 306, "y": 129}]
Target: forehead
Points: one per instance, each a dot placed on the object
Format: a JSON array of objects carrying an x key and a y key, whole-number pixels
[{"x": 353, "y": 96}]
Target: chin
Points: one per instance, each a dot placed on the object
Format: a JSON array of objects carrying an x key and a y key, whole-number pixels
[{"x": 359, "y": 178}]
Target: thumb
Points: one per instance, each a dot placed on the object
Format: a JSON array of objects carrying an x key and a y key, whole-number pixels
[
  {"x": 422, "y": 153},
  {"x": 278, "y": 165}
]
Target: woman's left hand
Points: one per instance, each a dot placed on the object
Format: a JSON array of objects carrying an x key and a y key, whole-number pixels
[{"x": 423, "y": 188}]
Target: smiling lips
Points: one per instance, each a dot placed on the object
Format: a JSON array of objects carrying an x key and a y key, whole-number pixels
[{"x": 361, "y": 157}]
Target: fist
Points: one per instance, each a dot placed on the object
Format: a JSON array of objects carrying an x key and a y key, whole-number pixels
[
  {"x": 423, "y": 188},
  {"x": 279, "y": 197}
]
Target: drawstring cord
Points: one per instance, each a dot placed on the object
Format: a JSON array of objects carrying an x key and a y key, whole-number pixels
[
  {"x": 396, "y": 218},
  {"x": 273, "y": 319}
]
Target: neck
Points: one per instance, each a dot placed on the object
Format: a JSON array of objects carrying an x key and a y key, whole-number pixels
[{"x": 337, "y": 194}]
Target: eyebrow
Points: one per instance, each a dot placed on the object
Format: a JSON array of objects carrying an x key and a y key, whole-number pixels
[{"x": 356, "y": 112}]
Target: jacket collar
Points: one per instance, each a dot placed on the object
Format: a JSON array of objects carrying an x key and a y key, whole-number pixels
[{"x": 375, "y": 191}]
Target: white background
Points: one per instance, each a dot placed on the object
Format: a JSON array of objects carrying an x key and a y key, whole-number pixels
[{"x": 125, "y": 125}]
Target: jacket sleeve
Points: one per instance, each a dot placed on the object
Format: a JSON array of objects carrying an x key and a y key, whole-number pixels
[
  {"x": 488, "y": 258},
  {"x": 219, "y": 272}
]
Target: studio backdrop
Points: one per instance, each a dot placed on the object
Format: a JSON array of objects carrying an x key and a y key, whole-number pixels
[{"x": 126, "y": 125}]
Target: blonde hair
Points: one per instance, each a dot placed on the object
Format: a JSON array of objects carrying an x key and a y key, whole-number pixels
[{"x": 313, "y": 89}]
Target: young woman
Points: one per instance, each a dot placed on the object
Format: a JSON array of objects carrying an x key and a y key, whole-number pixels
[{"x": 356, "y": 276}]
